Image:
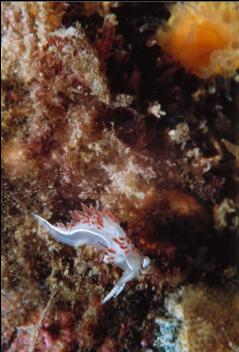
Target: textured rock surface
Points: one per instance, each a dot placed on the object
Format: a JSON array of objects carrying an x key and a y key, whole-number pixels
[{"x": 92, "y": 112}]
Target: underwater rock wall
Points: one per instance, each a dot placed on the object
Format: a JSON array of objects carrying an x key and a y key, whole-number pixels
[{"x": 96, "y": 110}]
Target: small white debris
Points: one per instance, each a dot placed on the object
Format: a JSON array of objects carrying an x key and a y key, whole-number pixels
[
  {"x": 203, "y": 126},
  {"x": 123, "y": 100},
  {"x": 212, "y": 90},
  {"x": 221, "y": 212},
  {"x": 236, "y": 78},
  {"x": 65, "y": 33},
  {"x": 206, "y": 165},
  {"x": 180, "y": 135},
  {"x": 155, "y": 109},
  {"x": 193, "y": 153}
]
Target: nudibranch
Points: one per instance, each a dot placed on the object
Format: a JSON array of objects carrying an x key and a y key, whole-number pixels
[
  {"x": 203, "y": 37},
  {"x": 101, "y": 230}
]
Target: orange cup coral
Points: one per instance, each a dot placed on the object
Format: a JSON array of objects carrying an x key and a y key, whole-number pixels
[{"x": 203, "y": 37}]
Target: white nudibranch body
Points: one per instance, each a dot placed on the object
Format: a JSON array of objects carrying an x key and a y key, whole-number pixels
[{"x": 101, "y": 230}]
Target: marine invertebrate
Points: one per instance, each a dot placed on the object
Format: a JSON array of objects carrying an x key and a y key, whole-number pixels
[
  {"x": 102, "y": 231},
  {"x": 203, "y": 37},
  {"x": 73, "y": 133},
  {"x": 200, "y": 329}
]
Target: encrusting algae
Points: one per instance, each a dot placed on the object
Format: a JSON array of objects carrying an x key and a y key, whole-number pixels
[
  {"x": 94, "y": 116},
  {"x": 203, "y": 37}
]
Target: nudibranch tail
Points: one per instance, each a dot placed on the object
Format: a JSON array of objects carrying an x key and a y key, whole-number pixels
[
  {"x": 60, "y": 234},
  {"x": 75, "y": 237}
]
